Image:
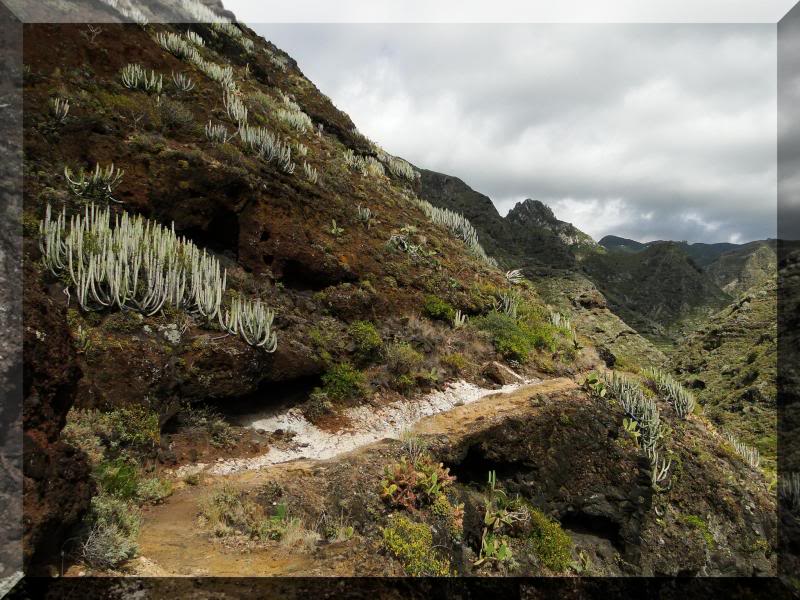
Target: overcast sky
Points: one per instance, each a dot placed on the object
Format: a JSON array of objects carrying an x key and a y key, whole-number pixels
[{"x": 644, "y": 131}]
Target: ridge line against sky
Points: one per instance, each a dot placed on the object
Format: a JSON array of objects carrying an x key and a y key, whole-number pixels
[{"x": 643, "y": 131}]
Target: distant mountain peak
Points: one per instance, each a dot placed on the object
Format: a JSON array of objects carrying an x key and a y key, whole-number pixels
[{"x": 535, "y": 213}]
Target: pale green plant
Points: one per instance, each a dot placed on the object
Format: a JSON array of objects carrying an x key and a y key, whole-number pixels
[
  {"x": 218, "y": 133},
  {"x": 311, "y": 172},
  {"x": 234, "y": 106},
  {"x": 749, "y": 453},
  {"x": 364, "y": 215},
  {"x": 252, "y": 320},
  {"x": 134, "y": 76},
  {"x": 682, "y": 400},
  {"x": 96, "y": 184},
  {"x": 59, "y": 109},
  {"x": 182, "y": 82}
]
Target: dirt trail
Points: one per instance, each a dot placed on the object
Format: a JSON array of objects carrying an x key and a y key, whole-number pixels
[{"x": 172, "y": 543}]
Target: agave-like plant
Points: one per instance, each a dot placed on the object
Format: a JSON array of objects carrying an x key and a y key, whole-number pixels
[
  {"x": 182, "y": 82},
  {"x": 514, "y": 277},
  {"x": 97, "y": 184}
]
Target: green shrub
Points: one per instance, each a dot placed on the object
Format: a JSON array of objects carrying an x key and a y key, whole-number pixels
[
  {"x": 702, "y": 527},
  {"x": 113, "y": 529},
  {"x": 455, "y": 361},
  {"x": 174, "y": 115},
  {"x": 549, "y": 542},
  {"x": 135, "y": 427},
  {"x": 402, "y": 359},
  {"x": 206, "y": 419},
  {"x": 317, "y": 406},
  {"x": 153, "y": 490},
  {"x": 366, "y": 338},
  {"x": 412, "y": 544},
  {"x": 438, "y": 309},
  {"x": 516, "y": 339},
  {"x": 344, "y": 382},
  {"x": 118, "y": 477}
]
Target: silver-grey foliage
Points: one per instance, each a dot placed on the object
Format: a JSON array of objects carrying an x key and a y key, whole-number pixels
[
  {"x": 459, "y": 225},
  {"x": 142, "y": 265},
  {"x": 682, "y": 400},
  {"x": 749, "y": 453},
  {"x": 97, "y": 184}
]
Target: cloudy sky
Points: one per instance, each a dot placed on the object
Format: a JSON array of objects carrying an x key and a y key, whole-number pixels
[{"x": 644, "y": 131}]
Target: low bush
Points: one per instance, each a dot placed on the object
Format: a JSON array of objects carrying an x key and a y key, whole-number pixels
[
  {"x": 344, "y": 382},
  {"x": 153, "y": 490},
  {"x": 113, "y": 528},
  {"x": 412, "y": 544},
  {"x": 549, "y": 542},
  {"x": 118, "y": 478},
  {"x": 438, "y": 309},
  {"x": 516, "y": 339},
  {"x": 402, "y": 359},
  {"x": 367, "y": 339}
]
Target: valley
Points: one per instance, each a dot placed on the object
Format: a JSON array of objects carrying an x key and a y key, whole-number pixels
[{"x": 259, "y": 344}]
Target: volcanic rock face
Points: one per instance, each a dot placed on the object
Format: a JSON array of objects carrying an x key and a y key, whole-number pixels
[{"x": 57, "y": 487}]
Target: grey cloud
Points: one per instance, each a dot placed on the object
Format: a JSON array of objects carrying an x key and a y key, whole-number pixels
[{"x": 663, "y": 120}]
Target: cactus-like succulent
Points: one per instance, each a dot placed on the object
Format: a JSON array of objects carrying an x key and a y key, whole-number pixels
[
  {"x": 302, "y": 149},
  {"x": 311, "y": 172},
  {"x": 234, "y": 106},
  {"x": 142, "y": 265},
  {"x": 682, "y": 400},
  {"x": 182, "y": 82},
  {"x": 400, "y": 168},
  {"x": 296, "y": 119},
  {"x": 134, "y": 76},
  {"x": 639, "y": 407},
  {"x": 789, "y": 490},
  {"x": 252, "y": 320},
  {"x": 220, "y": 74},
  {"x": 561, "y": 321},
  {"x": 97, "y": 184},
  {"x": 195, "y": 38},
  {"x": 365, "y": 215},
  {"x": 218, "y": 133},
  {"x": 59, "y": 109},
  {"x": 459, "y": 320},
  {"x": 176, "y": 45},
  {"x": 459, "y": 226},
  {"x": 749, "y": 453}
]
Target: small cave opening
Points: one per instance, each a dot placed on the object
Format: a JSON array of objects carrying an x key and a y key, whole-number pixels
[
  {"x": 271, "y": 398},
  {"x": 594, "y": 525},
  {"x": 475, "y": 466},
  {"x": 298, "y": 276},
  {"x": 221, "y": 235}
]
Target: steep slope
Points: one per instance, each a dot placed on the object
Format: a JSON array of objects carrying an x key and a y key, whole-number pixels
[
  {"x": 620, "y": 244},
  {"x": 731, "y": 364},
  {"x": 747, "y": 266},
  {"x": 531, "y": 238},
  {"x": 380, "y": 301},
  {"x": 659, "y": 291}
]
